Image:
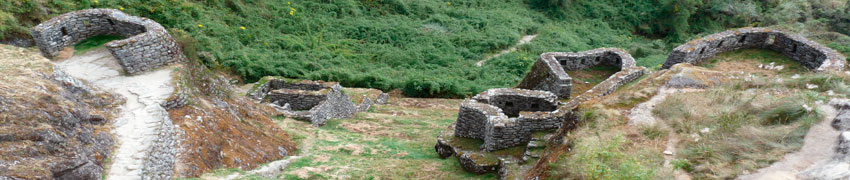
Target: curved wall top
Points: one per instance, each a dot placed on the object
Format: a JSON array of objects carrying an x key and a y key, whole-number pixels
[
  {"x": 549, "y": 73},
  {"x": 810, "y": 54},
  {"x": 148, "y": 44}
]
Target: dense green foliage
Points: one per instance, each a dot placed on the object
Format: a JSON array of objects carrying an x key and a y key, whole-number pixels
[{"x": 424, "y": 47}]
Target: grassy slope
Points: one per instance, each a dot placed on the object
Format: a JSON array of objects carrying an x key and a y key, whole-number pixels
[
  {"x": 392, "y": 141},
  {"x": 404, "y": 44},
  {"x": 748, "y": 129}
]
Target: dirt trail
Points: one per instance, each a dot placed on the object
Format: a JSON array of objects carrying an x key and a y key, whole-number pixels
[
  {"x": 818, "y": 145},
  {"x": 136, "y": 125},
  {"x": 641, "y": 115},
  {"x": 525, "y": 39}
]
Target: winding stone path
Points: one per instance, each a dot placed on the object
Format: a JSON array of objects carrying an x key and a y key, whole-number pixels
[{"x": 137, "y": 125}]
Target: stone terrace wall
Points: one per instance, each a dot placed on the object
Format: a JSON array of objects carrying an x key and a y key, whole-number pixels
[
  {"x": 549, "y": 72},
  {"x": 512, "y": 101},
  {"x": 148, "y": 44},
  {"x": 810, "y": 54}
]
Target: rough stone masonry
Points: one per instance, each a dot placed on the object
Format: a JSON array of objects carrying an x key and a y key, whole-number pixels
[
  {"x": 316, "y": 101},
  {"x": 506, "y": 117},
  {"x": 148, "y": 44},
  {"x": 549, "y": 72},
  {"x": 810, "y": 54}
]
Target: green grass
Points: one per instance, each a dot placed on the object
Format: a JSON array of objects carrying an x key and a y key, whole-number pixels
[
  {"x": 426, "y": 48},
  {"x": 94, "y": 42},
  {"x": 390, "y": 142},
  {"x": 747, "y": 130}
]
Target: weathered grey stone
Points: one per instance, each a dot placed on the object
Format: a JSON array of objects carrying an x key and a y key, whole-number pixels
[
  {"x": 383, "y": 98},
  {"x": 148, "y": 44},
  {"x": 444, "y": 150},
  {"x": 549, "y": 72},
  {"x": 337, "y": 105},
  {"x": 842, "y": 121},
  {"x": 160, "y": 159},
  {"x": 810, "y": 54},
  {"x": 512, "y": 100},
  {"x": 471, "y": 162},
  {"x": 482, "y": 117},
  {"x": 838, "y": 167},
  {"x": 365, "y": 104}
]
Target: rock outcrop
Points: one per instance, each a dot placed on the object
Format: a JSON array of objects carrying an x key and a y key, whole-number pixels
[{"x": 53, "y": 125}]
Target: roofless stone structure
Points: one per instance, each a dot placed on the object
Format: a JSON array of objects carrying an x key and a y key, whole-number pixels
[
  {"x": 810, "y": 54},
  {"x": 549, "y": 73},
  {"x": 506, "y": 117},
  {"x": 148, "y": 44}
]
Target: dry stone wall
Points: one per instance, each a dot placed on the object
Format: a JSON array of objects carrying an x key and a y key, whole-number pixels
[
  {"x": 810, "y": 54},
  {"x": 316, "y": 101},
  {"x": 549, "y": 72},
  {"x": 148, "y": 44},
  {"x": 609, "y": 85},
  {"x": 483, "y": 118}
]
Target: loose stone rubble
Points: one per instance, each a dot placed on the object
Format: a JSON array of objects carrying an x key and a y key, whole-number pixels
[{"x": 148, "y": 44}]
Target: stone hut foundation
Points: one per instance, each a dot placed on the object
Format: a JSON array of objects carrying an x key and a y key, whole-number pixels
[
  {"x": 810, "y": 54},
  {"x": 549, "y": 72},
  {"x": 148, "y": 44},
  {"x": 314, "y": 101}
]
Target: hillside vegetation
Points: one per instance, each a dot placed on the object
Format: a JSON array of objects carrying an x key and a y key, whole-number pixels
[{"x": 428, "y": 48}]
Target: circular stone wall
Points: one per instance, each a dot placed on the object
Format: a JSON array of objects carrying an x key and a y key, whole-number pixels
[
  {"x": 148, "y": 44},
  {"x": 810, "y": 54}
]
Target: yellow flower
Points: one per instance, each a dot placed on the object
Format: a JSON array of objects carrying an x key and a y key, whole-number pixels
[
  {"x": 243, "y": 27},
  {"x": 630, "y": 37},
  {"x": 293, "y": 9},
  {"x": 121, "y": 8},
  {"x": 290, "y": 3},
  {"x": 95, "y": 1},
  {"x": 200, "y": 25},
  {"x": 267, "y": 44},
  {"x": 292, "y": 13}
]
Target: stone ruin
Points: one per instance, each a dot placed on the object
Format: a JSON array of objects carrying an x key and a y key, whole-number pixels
[
  {"x": 148, "y": 44},
  {"x": 549, "y": 73},
  {"x": 506, "y": 117},
  {"x": 316, "y": 101},
  {"x": 810, "y": 54}
]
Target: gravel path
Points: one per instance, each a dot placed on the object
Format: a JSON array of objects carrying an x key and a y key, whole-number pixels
[
  {"x": 136, "y": 125},
  {"x": 818, "y": 145}
]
